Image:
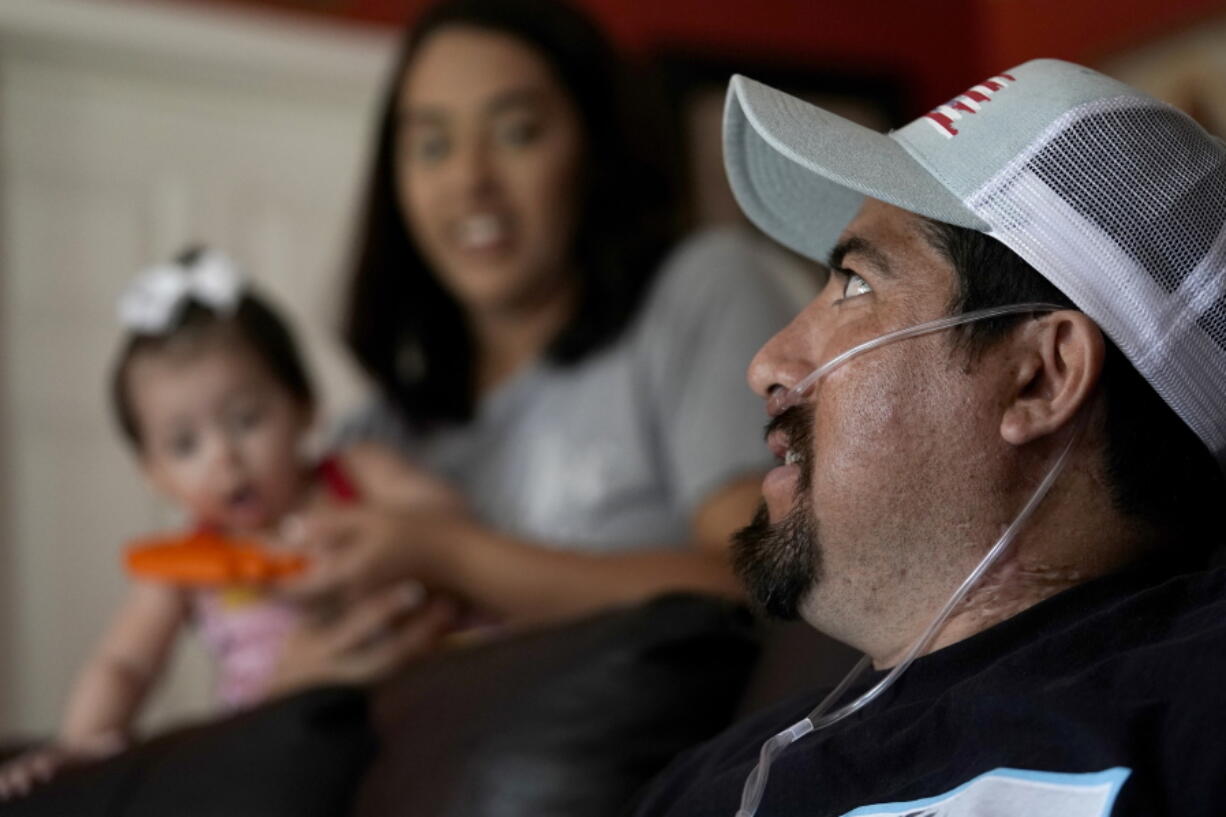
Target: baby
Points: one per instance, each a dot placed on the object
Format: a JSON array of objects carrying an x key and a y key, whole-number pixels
[{"x": 210, "y": 391}]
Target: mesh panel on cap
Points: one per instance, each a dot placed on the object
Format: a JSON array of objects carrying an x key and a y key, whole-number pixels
[
  {"x": 1169, "y": 228},
  {"x": 1121, "y": 204}
]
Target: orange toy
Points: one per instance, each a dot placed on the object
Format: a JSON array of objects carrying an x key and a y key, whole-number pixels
[{"x": 203, "y": 559}]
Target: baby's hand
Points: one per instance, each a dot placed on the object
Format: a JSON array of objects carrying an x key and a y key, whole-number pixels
[
  {"x": 37, "y": 766},
  {"x": 23, "y": 773}
]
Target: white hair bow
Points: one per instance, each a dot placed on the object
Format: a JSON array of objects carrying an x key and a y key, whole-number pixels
[{"x": 153, "y": 301}]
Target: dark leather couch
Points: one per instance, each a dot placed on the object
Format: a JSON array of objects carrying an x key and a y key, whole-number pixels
[{"x": 570, "y": 720}]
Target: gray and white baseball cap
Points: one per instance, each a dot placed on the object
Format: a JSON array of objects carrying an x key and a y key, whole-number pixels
[{"x": 1116, "y": 198}]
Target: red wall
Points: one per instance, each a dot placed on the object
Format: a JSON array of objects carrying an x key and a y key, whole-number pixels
[{"x": 939, "y": 47}]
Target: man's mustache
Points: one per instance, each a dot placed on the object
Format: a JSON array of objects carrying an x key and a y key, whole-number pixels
[{"x": 795, "y": 423}]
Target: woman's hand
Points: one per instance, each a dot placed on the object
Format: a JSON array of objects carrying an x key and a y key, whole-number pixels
[
  {"x": 357, "y": 549},
  {"x": 369, "y": 639},
  {"x": 38, "y": 766},
  {"x": 397, "y": 532}
]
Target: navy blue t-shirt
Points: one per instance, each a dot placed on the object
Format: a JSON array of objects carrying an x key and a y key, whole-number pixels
[{"x": 1102, "y": 700}]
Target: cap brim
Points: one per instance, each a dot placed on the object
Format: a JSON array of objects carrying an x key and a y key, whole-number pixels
[{"x": 800, "y": 173}]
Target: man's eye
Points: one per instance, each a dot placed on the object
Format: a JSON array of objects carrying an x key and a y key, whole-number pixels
[{"x": 855, "y": 286}]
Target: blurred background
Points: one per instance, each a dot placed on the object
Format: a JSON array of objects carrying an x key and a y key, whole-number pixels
[{"x": 130, "y": 128}]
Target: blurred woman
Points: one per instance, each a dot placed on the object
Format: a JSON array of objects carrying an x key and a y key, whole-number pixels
[{"x": 537, "y": 341}]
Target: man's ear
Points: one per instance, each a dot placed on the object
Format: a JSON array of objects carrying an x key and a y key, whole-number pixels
[{"x": 1061, "y": 363}]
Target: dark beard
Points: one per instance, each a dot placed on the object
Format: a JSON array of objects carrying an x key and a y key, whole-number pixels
[{"x": 779, "y": 563}]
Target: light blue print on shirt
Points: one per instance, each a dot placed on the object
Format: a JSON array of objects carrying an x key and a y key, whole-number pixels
[{"x": 1007, "y": 792}]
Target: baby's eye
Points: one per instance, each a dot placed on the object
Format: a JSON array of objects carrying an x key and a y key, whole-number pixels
[
  {"x": 855, "y": 286},
  {"x": 247, "y": 418},
  {"x": 182, "y": 445}
]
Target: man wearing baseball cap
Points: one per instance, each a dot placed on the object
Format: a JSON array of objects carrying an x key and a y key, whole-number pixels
[{"x": 1002, "y": 428}]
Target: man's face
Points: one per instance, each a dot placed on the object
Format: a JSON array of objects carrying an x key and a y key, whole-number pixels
[{"x": 869, "y": 521}]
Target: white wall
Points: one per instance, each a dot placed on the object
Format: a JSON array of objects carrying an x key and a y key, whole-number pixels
[
  {"x": 126, "y": 130},
  {"x": 1187, "y": 69}
]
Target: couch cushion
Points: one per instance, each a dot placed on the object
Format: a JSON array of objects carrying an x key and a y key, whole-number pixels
[{"x": 567, "y": 720}]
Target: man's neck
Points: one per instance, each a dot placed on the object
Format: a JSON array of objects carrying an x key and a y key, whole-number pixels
[{"x": 1019, "y": 583}]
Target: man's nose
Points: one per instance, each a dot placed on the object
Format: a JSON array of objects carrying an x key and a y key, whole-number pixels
[{"x": 788, "y": 357}]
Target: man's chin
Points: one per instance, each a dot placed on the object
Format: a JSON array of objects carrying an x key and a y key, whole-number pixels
[{"x": 777, "y": 561}]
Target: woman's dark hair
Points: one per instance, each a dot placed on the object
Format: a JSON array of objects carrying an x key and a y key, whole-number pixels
[
  {"x": 1159, "y": 470},
  {"x": 406, "y": 330},
  {"x": 254, "y": 323}
]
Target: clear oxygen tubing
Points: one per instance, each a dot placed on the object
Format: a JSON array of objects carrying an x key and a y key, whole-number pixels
[
  {"x": 755, "y": 784},
  {"x": 781, "y": 400}
]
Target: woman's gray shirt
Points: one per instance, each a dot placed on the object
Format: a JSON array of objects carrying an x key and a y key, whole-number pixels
[{"x": 617, "y": 451}]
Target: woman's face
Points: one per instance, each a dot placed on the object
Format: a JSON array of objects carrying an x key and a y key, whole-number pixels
[{"x": 488, "y": 154}]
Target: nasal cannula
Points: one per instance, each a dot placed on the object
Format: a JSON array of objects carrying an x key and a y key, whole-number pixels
[{"x": 755, "y": 784}]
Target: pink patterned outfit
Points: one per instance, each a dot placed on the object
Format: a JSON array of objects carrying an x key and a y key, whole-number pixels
[{"x": 245, "y": 628}]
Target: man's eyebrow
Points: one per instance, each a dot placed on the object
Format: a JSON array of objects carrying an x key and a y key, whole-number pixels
[{"x": 860, "y": 246}]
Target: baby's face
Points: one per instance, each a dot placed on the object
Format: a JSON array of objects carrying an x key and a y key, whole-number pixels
[{"x": 220, "y": 436}]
